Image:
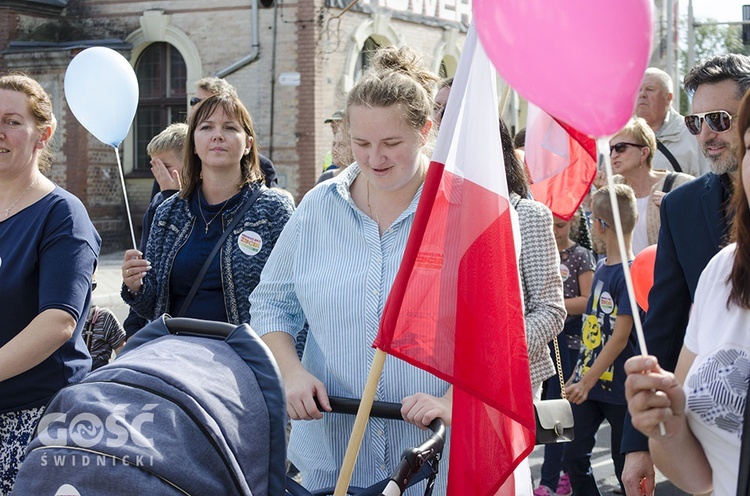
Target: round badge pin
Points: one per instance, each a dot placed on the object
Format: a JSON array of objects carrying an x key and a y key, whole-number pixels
[{"x": 250, "y": 243}]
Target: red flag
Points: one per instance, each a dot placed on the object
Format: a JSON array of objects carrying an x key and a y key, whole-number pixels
[
  {"x": 561, "y": 161},
  {"x": 455, "y": 308}
]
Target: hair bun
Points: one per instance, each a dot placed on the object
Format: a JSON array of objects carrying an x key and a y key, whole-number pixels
[{"x": 407, "y": 61}]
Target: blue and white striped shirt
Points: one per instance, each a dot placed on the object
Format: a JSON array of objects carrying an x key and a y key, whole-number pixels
[{"x": 331, "y": 266}]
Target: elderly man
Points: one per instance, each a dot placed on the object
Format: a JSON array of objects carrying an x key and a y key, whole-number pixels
[{"x": 678, "y": 150}]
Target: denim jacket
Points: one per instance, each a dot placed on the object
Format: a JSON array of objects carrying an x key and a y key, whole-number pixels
[{"x": 240, "y": 272}]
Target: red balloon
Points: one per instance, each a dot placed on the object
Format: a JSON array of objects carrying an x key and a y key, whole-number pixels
[{"x": 642, "y": 273}]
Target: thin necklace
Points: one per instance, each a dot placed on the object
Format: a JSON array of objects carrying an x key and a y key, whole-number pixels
[
  {"x": 200, "y": 209},
  {"x": 373, "y": 215},
  {"x": 31, "y": 185}
]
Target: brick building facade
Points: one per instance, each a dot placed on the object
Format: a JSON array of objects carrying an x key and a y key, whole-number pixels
[{"x": 291, "y": 63}]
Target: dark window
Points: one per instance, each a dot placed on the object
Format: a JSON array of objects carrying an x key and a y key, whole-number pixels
[
  {"x": 365, "y": 56},
  {"x": 443, "y": 70},
  {"x": 162, "y": 77}
]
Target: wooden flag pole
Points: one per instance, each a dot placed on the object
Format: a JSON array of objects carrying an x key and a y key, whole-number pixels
[{"x": 360, "y": 423}]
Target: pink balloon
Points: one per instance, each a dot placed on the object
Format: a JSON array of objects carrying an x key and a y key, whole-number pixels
[{"x": 581, "y": 61}]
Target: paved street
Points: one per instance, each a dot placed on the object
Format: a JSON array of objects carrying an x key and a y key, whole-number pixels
[
  {"x": 108, "y": 281},
  {"x": 603, "y": 467}
]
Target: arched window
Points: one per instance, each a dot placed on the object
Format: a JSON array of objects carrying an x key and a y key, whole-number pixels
[
  {"x": 365, "y": 56},
  {"x": 162, "y": 80},
  {"x": 443, "y": 72}
]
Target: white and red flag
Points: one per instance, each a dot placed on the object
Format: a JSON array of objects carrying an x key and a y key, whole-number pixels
[
  {"x": 455, "y": 308},
  {"x": 560, "y": 160}
]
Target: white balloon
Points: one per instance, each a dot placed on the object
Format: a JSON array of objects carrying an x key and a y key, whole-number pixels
[{"x": 102, "y": 91}]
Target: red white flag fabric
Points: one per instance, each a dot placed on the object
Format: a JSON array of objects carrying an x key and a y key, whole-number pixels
[
  {"x": 561, "y": 161},
  {"x": 455, "y": 308}
]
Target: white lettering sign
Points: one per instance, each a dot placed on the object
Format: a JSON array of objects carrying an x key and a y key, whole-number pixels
[{"x": 446, "y": 10}]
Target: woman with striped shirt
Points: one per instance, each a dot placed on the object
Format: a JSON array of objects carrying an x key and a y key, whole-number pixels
[{"x": 366, "y": 212}]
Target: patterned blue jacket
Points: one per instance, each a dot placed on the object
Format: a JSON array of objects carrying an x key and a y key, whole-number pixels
[{"x": 240, "y": 273}]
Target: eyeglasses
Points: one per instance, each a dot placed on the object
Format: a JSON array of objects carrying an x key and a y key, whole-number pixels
[
  {"x": 719, "y": 121},
  {"x": 601, "y": 221},
  {"x": 621, "y": 147},
  {"x": 195, "y": 101}
]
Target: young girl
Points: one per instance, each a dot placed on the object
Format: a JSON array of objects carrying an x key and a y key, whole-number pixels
[{"x": 577, "y": 272}]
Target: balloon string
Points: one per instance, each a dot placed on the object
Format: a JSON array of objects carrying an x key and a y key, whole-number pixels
[
  {"x": 125, "y": 196},
  {"x": 602, "y": 145}
]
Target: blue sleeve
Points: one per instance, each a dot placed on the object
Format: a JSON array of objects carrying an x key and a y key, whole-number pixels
[
  {"x": 145, "y": 301},
  {"x": 67, "y": 258},
  {"x": 273, "y": 304},
  {"x": 620, "y": 294},
  {"x": 148, "y": 216},
  {"x": 669, "y": 300},
  {"x": 668, "y": 311}
]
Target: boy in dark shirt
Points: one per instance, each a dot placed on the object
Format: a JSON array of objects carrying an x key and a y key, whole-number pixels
[{"x": 597, "y": 390}]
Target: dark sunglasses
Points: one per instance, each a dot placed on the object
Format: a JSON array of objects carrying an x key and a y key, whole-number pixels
[
  {"x": 621, "y": 147},
  {"x": 195, "y": 101},
  {"x": 719, "y": 121}
]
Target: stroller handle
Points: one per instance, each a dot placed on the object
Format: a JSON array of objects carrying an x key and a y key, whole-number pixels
[
  {"x": 201, "y": 328},
  {"x": 380, "y": 409},
  {"x": 386, "y": 410},
  {"x": 417, "y": 464}
]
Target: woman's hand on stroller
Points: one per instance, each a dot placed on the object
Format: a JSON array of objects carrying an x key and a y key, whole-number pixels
[
  {"x": 421, "y": 409},
  {"x": 302, "y": 389}
]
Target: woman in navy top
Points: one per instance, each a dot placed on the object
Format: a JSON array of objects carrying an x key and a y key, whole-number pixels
[
  {"x": 220, "y": 174},
  {"x": 48, "y": 251}
]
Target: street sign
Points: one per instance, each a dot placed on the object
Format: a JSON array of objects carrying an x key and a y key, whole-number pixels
[{"x": 289, "y": 79}]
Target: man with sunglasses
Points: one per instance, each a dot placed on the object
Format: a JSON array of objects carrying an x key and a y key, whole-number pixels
[
  {"x": 693, "y": 228},
  {"x": 677, "y": 150}
]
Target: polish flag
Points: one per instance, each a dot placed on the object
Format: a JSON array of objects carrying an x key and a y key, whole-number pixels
[
  {"x": 455, "y": 308},
  {"x": 561, "y": 162}
]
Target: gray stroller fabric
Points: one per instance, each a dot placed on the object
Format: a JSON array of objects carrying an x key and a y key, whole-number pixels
[{"x": 172, "y": 415}]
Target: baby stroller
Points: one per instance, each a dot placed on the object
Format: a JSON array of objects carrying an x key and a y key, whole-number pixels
[
  {"x": 189, "y": 408},
  {"x": 416, "y": 464}
]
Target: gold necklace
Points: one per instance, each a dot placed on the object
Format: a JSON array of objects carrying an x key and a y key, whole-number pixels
[
  {"x": 31, "y": 184},
  {"x": 200, "y": 209}
]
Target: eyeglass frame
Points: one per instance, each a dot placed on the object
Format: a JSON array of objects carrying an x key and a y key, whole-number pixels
[
  {"x": 604, "y": 223},
  {"x": 195, "y": 101},
  {"x": 612, "y": 148},
  {"x": 702, "y": 118}
]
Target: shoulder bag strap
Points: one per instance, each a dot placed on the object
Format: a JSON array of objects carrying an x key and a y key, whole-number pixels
[
  {"x": 669, "y": 182},
  {"x": 662, "y": 148},
  {"x": 559, "y": 369},
  {"x": 215, "y": 250}
]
